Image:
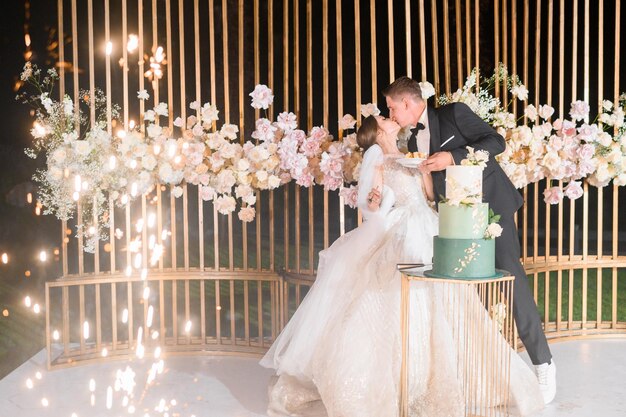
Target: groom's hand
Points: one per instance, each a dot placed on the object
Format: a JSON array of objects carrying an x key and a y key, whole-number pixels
[{"x": 438, "y": 162}]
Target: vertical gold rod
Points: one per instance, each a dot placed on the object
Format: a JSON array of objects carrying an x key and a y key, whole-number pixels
[
  {"x": 64, "y": 241},
  {"x": 113, "y": 316},
  {"x": 309, "y": 112},
  {"x": 244, "y": 225},
  {"x": 175, "y": 311},
  {"x": 112, "y": 246},
  {"x": 98, "y": 320},
  {"x": 561, "y": 59},
  {"x": 81, "y": 315},
  {"x": 155, "y": 45},
  {"x": 585, "y": 249},
  {"x": 170, "y": 78},
  {"x": 338, "y": 42},
  {"x": 574, "y": 49},
  {"x": 407, "y": 22},
  {"x": 586, "y": 15},
  {"x": 173, "y": 230},
  {"x": 296, "y": 57},
  {"x": 526, "y": 47},
  {"x": 357, "y": 56},
  {"x": 187, "y": 311},
  {"x": 231, "y": 265},
  {"x": 212, "y": 52},
  {"x": 75, "y": 67},
  {"x": 140, "y": 51},
  {"x": 129, "y": 261},
  {"x": 559, "y": 286},
  {"x": 422, "y": 17},
  {"x": 599, "y": 234},
  {"x": 61, "y": 41},
  {"x": 270, "y": 69},
  {"x": 159, "y": 223},
  {"x": 286, "y": 85},
  {"x": 257, "y": 80},
  {"x": 107, "y": 62},
  {"x": 96, "y": 252},
  {"x": 459, "y": 39},
  {"x": 246, "y": 311},
  {"x": 125, "y": 61},
  {"x": 202, "y": 312},
  {"x": 550, "y": 48},
  {"x": 514, "y": 48},
  {"x": 372, "y": 47},
  {"x": 505, "y": 52},
  {"x": 162, "y": 328},
  {"x": 570, "y": 285},
  {"x": 186, "y": 227},
  {"x": 537, "y": 54},
  {"x": 615, "y": 254},
  {"x": 296, "y": 99},
  {"x": 233, "y": 339},
  {"x": 496, "y": 32},
  {"x": 390, "y": 38},
  {"x": 477, "y": 38},
  {"x": 259, "y": 298},
  {"x": 66, "y": 320},
  {"x": 129, "y": 294},
  {"x": 325, "y": 81},
  {"x": 218, "y": 313},
  {"x": 446, "y": 46},
  {"x": 181, "y": 59},
  {"x": 468, "y": 36},
  {"x": 144, "y": 233},
  {"x": 92, "y": 77},
  {"x": 79, "y": 220},
  {"x": 196, "y": 41},
  {"x": 200, "y": 232},
  {"x": 225, "y": 60}
]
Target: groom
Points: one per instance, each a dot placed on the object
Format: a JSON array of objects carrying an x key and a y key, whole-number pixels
[{"x": 444, "y": 133}]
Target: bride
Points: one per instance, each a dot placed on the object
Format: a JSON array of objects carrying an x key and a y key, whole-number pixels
[{"x": 340, "y": 354}]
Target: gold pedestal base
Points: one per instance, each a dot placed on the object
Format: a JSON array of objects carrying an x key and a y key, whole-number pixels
[{"x": 479, "y": 313}]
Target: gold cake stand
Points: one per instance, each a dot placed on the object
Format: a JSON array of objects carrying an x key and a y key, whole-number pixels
[{"x": 479, "y": 313}]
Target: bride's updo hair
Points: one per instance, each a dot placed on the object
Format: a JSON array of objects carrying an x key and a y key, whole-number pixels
[{"x": 366, "y": 135}]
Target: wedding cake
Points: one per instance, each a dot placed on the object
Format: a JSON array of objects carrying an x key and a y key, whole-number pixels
[{"x": 465, "y": 246}]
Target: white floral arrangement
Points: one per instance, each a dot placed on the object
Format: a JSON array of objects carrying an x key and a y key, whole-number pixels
[
  {"x": 493, "y": 229},
  {"x": 95, "y": 167},
  {"x": 565, "y": 149},
  {"x": 476, "y": 158}
]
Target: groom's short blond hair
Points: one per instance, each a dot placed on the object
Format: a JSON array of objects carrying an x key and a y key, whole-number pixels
[{"x": 403, "y": 86}]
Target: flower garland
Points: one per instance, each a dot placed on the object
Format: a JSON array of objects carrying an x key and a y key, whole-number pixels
[
  {"x": 88, "y": 165},
  {"x": 564, "y": 149},
  {"x": 95, "y": 166}
]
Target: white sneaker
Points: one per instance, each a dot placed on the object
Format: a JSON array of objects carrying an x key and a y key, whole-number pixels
[{"x": 546, "y": 374}]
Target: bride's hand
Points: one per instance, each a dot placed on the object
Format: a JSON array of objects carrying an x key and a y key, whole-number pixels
[{"x": 373, "y": 199}]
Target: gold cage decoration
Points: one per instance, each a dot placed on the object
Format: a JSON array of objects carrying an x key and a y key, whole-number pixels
[{"x": 324, "y": 59}]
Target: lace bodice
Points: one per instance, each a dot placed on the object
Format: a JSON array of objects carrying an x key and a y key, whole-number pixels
[{"x": 406, "y": 183}]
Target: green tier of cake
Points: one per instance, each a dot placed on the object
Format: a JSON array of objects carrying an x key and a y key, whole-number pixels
[
  {"x": 464, "y": 258},
  {"x": 463, "y": 222}
]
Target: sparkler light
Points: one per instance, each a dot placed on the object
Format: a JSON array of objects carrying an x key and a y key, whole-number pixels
[
  {"x": 125, "y": 316},
  {"x": 133, "y": 43},
  {"x": 55, "y": 335},
  {"x": 188, "y": 326},
  {"x": 109, "y": 48},
  {"x": 43, "y": 256},
  {"x": 86, "y": 330},
  {"x": 5, "y": 258},
  {"x": 27, "y": 301}
]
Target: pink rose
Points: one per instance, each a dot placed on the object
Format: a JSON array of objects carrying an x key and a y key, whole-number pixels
[
  {"x": 246, "y": 214},
  {"x": 553, "y": 195},
  {"x": 262, "y": 97},
  {"x": 573, "y": 190},
  {"x": 579, "y": 110},
  {"x": 350, "y": 195}
]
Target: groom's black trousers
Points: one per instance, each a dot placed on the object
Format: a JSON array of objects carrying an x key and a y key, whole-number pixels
[{"x": 524, "y": 307}]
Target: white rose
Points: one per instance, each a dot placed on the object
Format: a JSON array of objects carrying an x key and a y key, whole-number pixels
[
  {"x": 82, "y": 147},
  {"x": 148, "y": 162},
  {"x": 493, "y": 230},
  {"x": 427, "y": 89}
]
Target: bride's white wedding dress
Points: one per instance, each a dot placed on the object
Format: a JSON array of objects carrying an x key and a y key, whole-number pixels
[{"x": 340, "y": 353}]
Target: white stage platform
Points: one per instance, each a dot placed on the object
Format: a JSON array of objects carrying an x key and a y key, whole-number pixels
[{"x": 591, "y": 382}]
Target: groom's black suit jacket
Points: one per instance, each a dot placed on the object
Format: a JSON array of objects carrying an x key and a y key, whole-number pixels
[{"x": 455, "y": 126}]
